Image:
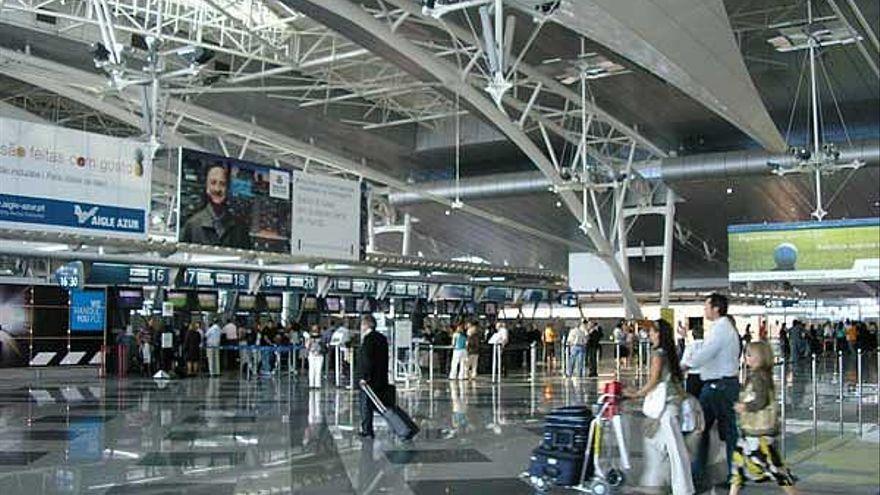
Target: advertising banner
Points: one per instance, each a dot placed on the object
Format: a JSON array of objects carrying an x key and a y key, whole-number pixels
[
  {"x": 326, "y": 217},
  {"x": 56, "y": 179},
  {"x": 805, "y": 251},
  {"x": 232, "y": 203},
  {"x": 87, "y": 310}
]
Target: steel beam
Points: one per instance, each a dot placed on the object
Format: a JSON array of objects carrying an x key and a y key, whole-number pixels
[
  {"x": 688, "y": 43},
  {"x": 352, "y": 21},
  {"x": 55, "y": 77}
]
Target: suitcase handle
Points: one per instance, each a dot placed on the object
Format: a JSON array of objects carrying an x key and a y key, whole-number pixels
[{"x": 372, "y": 396}]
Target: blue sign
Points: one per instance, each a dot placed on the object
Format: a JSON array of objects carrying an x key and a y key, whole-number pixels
[
  {"x": 45, "y": 211},
  {"x": 215, "y": 279},
  {"x": 87, "y": 310},
  {"x": 117, "y": 274},
  {"x": 70, "y": 275}
]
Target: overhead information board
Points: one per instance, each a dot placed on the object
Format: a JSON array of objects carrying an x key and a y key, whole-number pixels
[
  {"x": 326, "y": 217},
  {"x": 215, "y": 279},
  {"x": 283, "y": 282},
  {"x": 805, "y": 251},
  {"x": 233, "y": 203},
  {"x": 118, "y": 274},
  {"x": 62, "y": 180}
]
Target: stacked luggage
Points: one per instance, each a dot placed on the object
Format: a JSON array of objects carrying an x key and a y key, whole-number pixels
[{"x": 562, "y": 458}]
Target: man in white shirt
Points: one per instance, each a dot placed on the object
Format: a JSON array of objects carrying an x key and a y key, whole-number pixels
[
  {"x": 340, "y": 340},
  {"x": 230, "y": 337},
  {"x": 718, "y": 362},
  {"x": 212, "y": 348}
]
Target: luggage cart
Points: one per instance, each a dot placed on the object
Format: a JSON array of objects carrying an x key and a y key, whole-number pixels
[{"x": 604, "y": 477}]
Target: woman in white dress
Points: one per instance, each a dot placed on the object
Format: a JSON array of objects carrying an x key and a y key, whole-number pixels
[{"x": 666, "y": 456}]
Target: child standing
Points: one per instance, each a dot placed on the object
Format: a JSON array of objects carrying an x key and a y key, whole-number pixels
[{"x": 756, "y": 456}]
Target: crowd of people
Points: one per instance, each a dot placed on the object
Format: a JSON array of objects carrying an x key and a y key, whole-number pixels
[{"x": 802, "y": 339}]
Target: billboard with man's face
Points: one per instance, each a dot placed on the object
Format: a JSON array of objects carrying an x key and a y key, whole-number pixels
[{"x": 233, "y": 203}]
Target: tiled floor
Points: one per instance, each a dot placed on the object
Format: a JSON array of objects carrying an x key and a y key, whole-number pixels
[{"x": 226, "y": 436}]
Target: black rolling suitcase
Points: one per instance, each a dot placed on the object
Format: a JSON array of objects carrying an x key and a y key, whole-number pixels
[
  {"x": 398, "y": 420},
  {"x": 563, "y": 451}
]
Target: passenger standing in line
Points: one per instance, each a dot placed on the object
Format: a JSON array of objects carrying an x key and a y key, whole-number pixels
[
  {"x": 315, "y": 348},
  {"x": 373, "y": 371},
  {"x": 192, "y": 345},
  {"x": 145, "y": 348},
  {"x": 500, "y": 338},
  {"x": 577, "y": 340},
  {"x": 784, "y": 342},
  {"x": 212, "y": 349},
  {"x": 693, "y": 382},
  {"x": 718, "y": 362},
  {"x": 550, "y": 346},
  {"x": 459, "y": 354},
  {"x": 680, "y": 338},
  {"x": 473, "y": 350},
  {"x": 663, "y": 436},
  {"x": 230, "y": 335},
  {"x": 619, "y": 335},
  {"x": 594, "y": 341},
  {"x": 756, "y": 456}
]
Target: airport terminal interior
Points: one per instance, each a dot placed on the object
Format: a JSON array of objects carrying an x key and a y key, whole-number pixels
[{"x": 439, "y": 247}]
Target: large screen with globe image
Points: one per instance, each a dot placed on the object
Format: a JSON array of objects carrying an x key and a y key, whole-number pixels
[{"x": 805, "y": 251}]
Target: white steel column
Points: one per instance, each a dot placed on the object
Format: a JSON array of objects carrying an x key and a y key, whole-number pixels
[
  {"x": 407, "y": 234},
  {"x": 666, "y": 284}
]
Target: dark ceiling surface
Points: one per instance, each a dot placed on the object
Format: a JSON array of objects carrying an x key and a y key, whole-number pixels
[{"x": 658, "y": 110}]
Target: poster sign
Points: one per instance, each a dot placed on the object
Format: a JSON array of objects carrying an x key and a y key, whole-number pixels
[
  {"x": 326, "y": 217},
  {"x": 87, "y": 310},
  {"x": 233, "y": 203},
  {"x": 805, "y": 251},
  {"x": 62, "y": 180}
]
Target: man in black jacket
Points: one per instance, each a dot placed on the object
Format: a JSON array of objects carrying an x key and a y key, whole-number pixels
[{"x": 373, "y": 370}]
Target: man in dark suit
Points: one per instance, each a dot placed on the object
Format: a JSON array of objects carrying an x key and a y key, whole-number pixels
[{"x": 373, "y": 370}]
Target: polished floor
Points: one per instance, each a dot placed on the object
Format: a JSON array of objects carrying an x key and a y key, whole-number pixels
[{"x": 274, "y": 435}]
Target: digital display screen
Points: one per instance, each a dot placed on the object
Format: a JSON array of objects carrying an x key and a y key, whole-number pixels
[
  {"x": 178, "y": 299},
  {"x": 490, "y": 309},
  {"x": 253, "y": 203},
  {"x": 364, "y": 306},
  {"x": 246, "y": 302},
  {"x": 451, "y": 307},
  {"x": 331, "y": 304},
  {"x": 309, "y": 303},
  {"x": 273, "y": 303},
  {"x": 409, "y": 306},
  {"x": 130, "y": 298},
  {"x": 343, "y": 284},
  {"x": 207, "y": 301}
]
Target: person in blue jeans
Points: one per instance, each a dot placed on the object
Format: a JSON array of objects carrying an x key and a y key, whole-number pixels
[
  {"x": 577, "y": 340},
  {"x": 718, "y": 362}
]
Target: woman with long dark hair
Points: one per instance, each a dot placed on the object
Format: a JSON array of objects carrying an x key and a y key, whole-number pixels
[{"x": 663, "y": 394}]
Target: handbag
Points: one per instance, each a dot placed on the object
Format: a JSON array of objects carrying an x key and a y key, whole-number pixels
[{"x": 655, "y": 401}]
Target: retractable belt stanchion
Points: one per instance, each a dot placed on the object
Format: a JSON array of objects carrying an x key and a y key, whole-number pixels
[
  {"x": 840, "y": 390},
  {"x": 533, "y": 351},
  {"x": 493, "y": 362},
  {"x": 351, "y": 373},
  {"x": 782, "y": 409},
  {"x": 815, "y": 391},
  {"x": 337, "y": 367},
  {"x": 431, "y": 363},
  {"x": 617, "y": 358},
  {"x": 859, "y": 388}
]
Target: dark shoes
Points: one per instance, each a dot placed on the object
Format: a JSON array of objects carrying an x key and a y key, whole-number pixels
[{"x": 365, "y": 434}]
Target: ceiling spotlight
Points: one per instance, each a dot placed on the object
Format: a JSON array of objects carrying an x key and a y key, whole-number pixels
[
  {"x": 559, "y": 204},
  {"x": 729, "y": 190},
  {"x": 447, "y": 213}
]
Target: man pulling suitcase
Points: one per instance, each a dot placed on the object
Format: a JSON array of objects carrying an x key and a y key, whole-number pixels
[{"x": 376, "y": 393}]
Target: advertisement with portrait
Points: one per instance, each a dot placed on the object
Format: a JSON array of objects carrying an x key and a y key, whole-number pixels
[
  {"x": 14, "y": 325},
  {"x": 805, "y": 251},
  {"x": 232, "y": 203},
  {"x": 326, "y": 217},
  {"x": 63, "y": 180}
]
